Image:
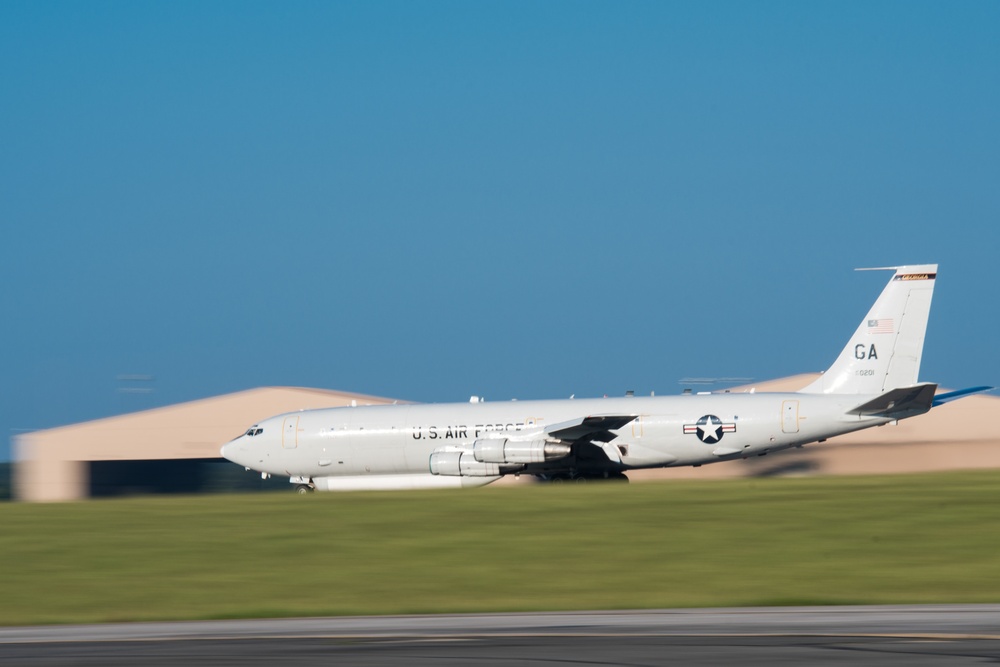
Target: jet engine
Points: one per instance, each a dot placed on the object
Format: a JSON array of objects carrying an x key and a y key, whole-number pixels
[
  {"x": 458, "y": 462},
  {"x": 499, "y": 450},
  {"x": 495, "y": 456}
]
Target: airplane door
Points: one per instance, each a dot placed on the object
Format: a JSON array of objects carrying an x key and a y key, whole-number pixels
[
  {"x": 789, "y": 416},
  {"x": 290, "y": 432}
]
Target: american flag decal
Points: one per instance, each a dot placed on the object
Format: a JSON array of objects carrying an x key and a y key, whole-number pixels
[{"x": 881, "y": 326}]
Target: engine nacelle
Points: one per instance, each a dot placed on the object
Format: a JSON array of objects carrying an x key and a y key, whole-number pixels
[
  {"x": 461, "y": 463},
  {"x": 499, "y": 450}
]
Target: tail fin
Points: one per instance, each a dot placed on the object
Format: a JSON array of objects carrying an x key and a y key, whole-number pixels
[{"x": 884, "y": 352}]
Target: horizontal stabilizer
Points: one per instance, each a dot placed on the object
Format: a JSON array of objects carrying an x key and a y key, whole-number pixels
[
  {"x": 959, "y": 393},
  {"x": 898, "y": 403},
  {"x": 596, "y": 427}
]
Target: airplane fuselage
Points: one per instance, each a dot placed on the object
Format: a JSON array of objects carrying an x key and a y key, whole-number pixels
[{"x": 666, "y": 431}]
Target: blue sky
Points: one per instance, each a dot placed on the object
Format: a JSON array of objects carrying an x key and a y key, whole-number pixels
[{"x": 428, "y": 200}]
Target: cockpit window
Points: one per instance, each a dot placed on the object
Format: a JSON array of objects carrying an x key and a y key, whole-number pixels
[{"x": 254, "y": 430}]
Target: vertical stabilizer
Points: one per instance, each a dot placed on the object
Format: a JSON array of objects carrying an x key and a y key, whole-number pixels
[{"x": 884, "y": 352}]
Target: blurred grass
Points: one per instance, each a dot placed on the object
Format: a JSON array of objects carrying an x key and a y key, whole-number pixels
[{"x": 903, "y": 539}]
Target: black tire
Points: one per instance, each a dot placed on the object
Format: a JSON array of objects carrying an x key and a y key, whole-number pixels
[{"x": 303, "y": 489}]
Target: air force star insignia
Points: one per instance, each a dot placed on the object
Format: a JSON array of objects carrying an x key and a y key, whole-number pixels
[{"x": 709, "y": 429}]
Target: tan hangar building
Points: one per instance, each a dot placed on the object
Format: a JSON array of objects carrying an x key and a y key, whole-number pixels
[
  {"x": 156, "y": 450},
  {"x": 165, "y": 449}
]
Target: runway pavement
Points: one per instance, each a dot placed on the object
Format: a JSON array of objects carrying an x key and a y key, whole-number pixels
[{"x": 878, "y": 635}]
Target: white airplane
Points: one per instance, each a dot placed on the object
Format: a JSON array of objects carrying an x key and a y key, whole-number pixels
[{"x": 872, "y": 382}]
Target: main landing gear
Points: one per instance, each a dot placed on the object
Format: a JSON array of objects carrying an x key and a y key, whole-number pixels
[
  {"x": 585, "y": 477},
  {"x": 304, "y": 489}
]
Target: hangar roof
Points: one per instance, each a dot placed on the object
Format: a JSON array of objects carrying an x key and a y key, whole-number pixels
[{"x": 191, "y": 430}]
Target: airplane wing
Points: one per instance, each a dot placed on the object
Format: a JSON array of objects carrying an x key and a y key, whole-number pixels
[
  {"x": 940, "y": 399},
  {"x": 898, "y": 403},
  {"x": 594, "y": 427}
]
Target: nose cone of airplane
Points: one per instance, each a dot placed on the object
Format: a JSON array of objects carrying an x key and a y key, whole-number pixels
[{"x": 234, "y": 451}]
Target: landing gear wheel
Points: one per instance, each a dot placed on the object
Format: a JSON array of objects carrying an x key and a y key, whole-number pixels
[{"x": 303, "y": 489}]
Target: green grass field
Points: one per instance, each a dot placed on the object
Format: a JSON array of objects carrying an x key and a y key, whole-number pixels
[{"x": 909, "y": 539}]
